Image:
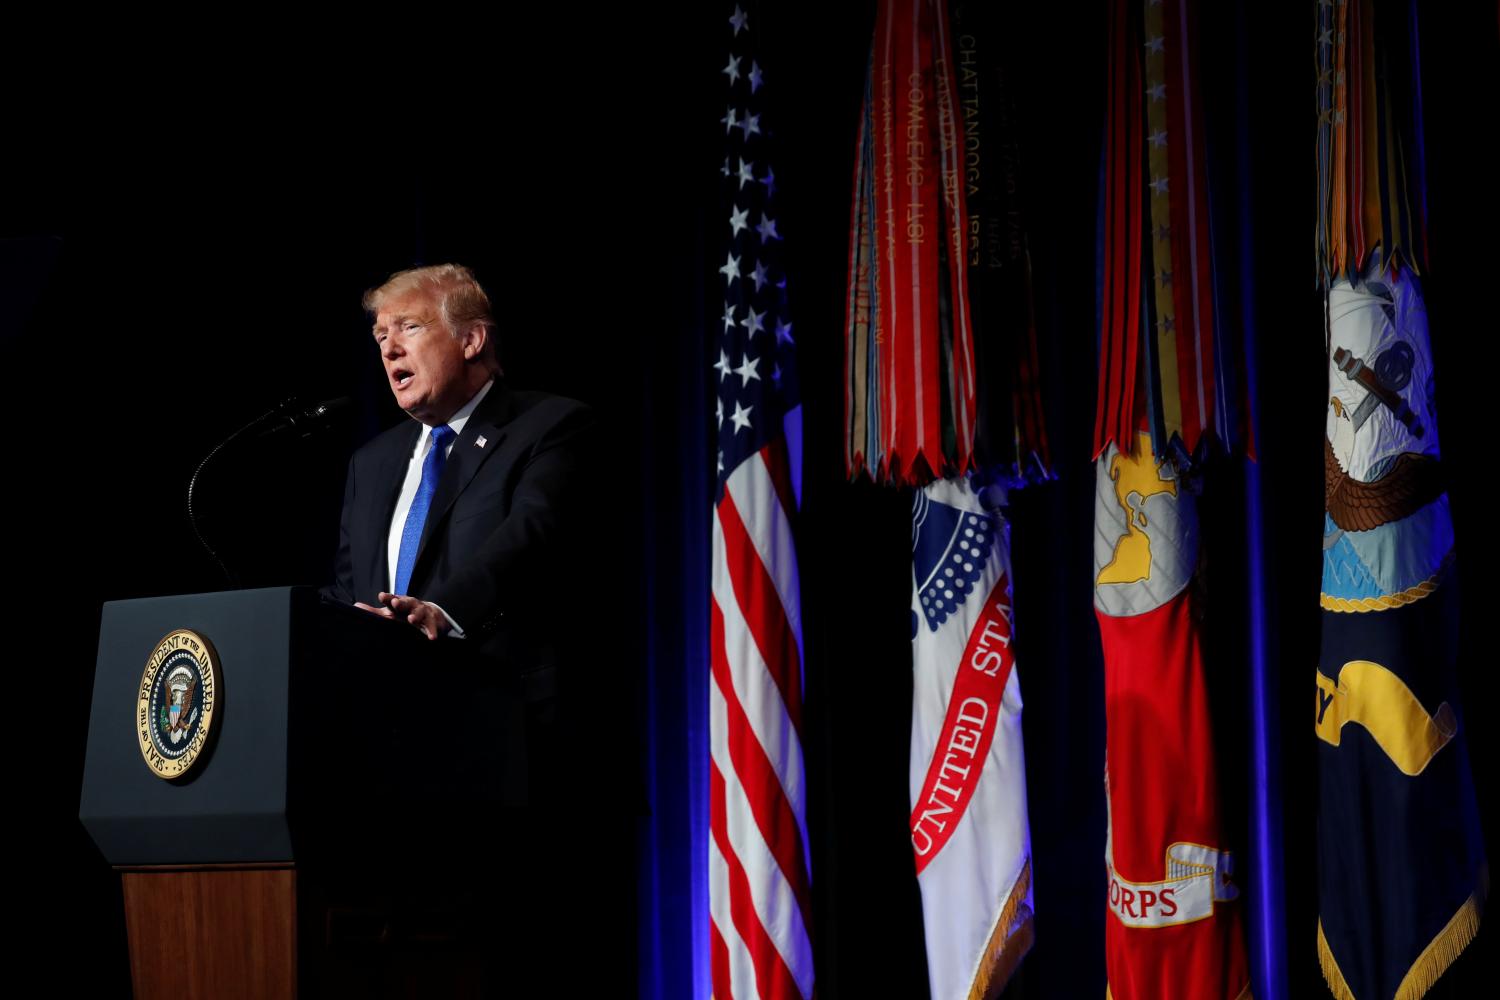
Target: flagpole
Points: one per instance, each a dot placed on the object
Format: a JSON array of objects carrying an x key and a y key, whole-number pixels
[{"x": 1267, "y": 869}]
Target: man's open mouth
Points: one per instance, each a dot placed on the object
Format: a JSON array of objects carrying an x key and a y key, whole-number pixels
[{"x": 400, "y": 376}]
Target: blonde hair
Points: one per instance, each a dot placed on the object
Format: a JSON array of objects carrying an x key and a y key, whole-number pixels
[{"x": 461, "y": 302}]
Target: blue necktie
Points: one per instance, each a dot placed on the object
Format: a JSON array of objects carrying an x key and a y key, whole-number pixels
[{"x": 411, "y": 534}]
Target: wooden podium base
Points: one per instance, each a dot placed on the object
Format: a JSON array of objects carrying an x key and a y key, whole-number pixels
[
  {"x": 225, "y": 932},
  {"x": 230, "y": 932}
]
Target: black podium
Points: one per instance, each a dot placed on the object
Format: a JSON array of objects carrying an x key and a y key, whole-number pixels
[{"x": 350, "y": 762}]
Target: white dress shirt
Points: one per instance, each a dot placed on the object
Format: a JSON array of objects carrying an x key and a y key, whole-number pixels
[{"x": 413, "y": 480}]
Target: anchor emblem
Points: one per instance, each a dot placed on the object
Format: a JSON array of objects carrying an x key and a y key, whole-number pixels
[{"x": 1385, "y": 380}]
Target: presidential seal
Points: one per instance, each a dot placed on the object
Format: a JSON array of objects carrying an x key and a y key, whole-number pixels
[{"x": 175, "y": 707}]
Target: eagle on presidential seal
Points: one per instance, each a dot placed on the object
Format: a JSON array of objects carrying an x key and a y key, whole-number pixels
[{"x": 178, "y": 714}]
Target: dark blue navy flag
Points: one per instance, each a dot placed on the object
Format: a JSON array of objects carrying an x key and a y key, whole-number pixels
[{"x": 1401, "y": 869}]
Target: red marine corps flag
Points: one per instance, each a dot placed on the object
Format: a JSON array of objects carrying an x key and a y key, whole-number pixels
[
  {"x": 1174, "y": 928},
  {"x": 1166, "y": 396}
]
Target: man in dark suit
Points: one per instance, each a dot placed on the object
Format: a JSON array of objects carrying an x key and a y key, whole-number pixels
[{"x": 461, "y": 523}]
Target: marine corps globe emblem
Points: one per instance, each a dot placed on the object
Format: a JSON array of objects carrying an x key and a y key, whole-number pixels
[{"x": 175, "y": 707}]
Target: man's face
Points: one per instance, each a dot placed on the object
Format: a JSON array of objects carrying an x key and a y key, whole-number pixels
[{"x": 424, "y": 362}]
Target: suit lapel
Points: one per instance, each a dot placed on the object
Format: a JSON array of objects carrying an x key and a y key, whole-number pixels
[{"x": 488, "y": 421}]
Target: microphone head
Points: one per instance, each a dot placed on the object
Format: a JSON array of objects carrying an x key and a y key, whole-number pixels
[
  {"x": 331, "y": 407},
  {"x": 303, "y": 419}
]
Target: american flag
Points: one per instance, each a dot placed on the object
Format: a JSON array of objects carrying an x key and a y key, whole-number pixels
[{"x": 759, "y": 897}]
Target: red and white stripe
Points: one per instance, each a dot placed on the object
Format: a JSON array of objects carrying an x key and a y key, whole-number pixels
[{"x": 759, "y": 899}]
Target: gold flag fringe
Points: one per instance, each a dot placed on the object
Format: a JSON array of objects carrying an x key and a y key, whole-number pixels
[
  {"x": 1009, "y": 941},
  {"x": 1435, "y": 958},
  {"x": 1332, "y": 974},
  {"x": 1447, "y": 946}
]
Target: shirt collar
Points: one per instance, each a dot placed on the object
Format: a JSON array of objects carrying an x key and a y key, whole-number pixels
[{"x": 459, "y": 418}]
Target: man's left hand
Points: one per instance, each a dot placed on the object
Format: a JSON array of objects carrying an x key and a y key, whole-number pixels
[{"x": 428, "y": 618}]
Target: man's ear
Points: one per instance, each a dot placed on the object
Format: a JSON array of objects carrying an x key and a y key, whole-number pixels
[{"x": 474, "y": 341}]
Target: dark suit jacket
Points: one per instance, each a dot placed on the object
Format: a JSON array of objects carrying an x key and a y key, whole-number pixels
[{"x": 496, "y": 550}]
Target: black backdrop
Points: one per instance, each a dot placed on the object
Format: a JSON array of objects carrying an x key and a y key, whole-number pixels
[{"x": 194, "y": 222}]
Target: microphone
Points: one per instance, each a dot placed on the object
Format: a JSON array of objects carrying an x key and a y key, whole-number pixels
[
  {"x": 303, "y": 421},
  {"x": 286, "y": 417}
]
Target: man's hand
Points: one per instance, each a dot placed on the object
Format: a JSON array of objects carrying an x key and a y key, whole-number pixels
[{"x": 427, "y": 618}]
